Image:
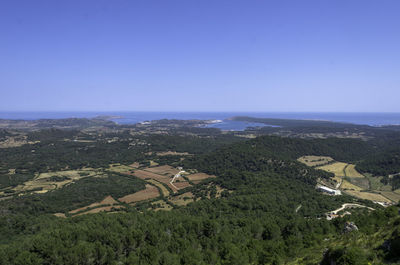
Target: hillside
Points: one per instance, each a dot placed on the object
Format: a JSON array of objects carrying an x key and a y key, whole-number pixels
[{"x": 237, "y": 201}]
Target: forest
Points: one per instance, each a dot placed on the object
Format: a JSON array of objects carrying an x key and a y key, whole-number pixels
[{"x": 270, "y": 212}]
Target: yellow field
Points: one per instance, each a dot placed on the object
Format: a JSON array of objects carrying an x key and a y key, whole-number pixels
[
  {"x": 394, "y": 196},
  {"x": 161, "y": 186},
  {"x": 352, "y": 172},
  {"x": 107, "y": 201},
  {"x": 62, "y": 215},
  {"x": 368, "y": 196},
  {"x": 73, "y": 174},
  {"x": 119, "y": 168},
  {"x": 349, "y": 186},
  {"x": 336, "y": 168},
  {"x": 313, "y": 161},
  {"x": 153, "y": 164},
  {"x": 149, "y": 193},
  {"x": 43, "y": 183}
]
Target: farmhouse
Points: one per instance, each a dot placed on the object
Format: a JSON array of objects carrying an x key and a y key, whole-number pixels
[{"x": 328, "y": 190}]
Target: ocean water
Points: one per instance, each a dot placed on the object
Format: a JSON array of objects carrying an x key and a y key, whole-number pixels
[{"x": 373, "y": 119}]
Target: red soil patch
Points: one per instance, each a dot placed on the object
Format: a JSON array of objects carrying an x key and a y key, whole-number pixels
[
  {"x": 106, "y": 201},
  {"x": 163, "y": 170},
  {"x": 149, "y": 193}
]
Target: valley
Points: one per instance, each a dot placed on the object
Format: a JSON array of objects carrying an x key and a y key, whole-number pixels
[{"x": 245, "y": 196}]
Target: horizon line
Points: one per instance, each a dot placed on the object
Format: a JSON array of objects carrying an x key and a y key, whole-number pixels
[{"x": 193, "y": 111}]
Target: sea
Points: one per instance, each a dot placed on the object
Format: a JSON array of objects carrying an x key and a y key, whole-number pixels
[{"x": 220, "y": 118}]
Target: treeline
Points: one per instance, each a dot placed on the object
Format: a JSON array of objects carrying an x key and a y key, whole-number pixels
[
  {"x": 382, "y": 163},
  {"x": 77, "y": 194},
  {"x": 266, "y": 148},
  {"x": 270, "y": 212}
]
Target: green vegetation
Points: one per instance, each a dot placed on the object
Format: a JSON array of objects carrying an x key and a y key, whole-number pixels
[{"x": 268, "y": 213}]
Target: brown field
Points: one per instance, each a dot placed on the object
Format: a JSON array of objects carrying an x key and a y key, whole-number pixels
[
  {"x": 150, "y": 175},
  {"x": 142, "y": 174},
  {"x": 149, "y": 193},
  {"x": 198, "y": 177},
  {"x": 336, "y": 168},
  {"x": 183, "y": 199},
  {"x": 101, "y": 209},
  {"x": 173, "y": 153},
  {"x": 351, "y": 172},
  {"x": 160, "y": 185},
  {"x": 181, "y": 185},
  {"x": 161, "y": 206},
  {"x": 106, "y": 201},
  {"x": 313, "y": 161},
  {"x": 163, "y": 170},
  {"x": 368, "y": 196}
]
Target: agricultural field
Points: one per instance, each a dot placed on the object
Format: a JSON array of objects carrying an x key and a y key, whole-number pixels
[
  {"x": 162, "y": 174},
  {"x": 391, "y": 195},
  {"x": 183, "y": 199},
  {"x": 346, "y": 185},
  {"x": 351, "y": 172},
  {"x": 102, "y": 209},
  {"x": 146, "y": 175},
  {"x": 119, "y": 168},
  {"x": 336, "y": 168},
  {"x": 150, "y": 192},
  {"x": 376, "y": 183},
  {"x": 162, "y": 187},
  {"x": 106, "y": 201},
  {"x": 181, "y": 184},
  {"x": 355, "y": 184},
  {"x": 313, "y": 161},
  {"x": 198, "y": 177},
  {"x": 45, "y": 182},
  {"x": 368, "y": 196},
  {"x": 163, "y": 170}
]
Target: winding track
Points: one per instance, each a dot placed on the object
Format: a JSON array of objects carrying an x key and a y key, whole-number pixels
[{"x": 350, "y": 205}]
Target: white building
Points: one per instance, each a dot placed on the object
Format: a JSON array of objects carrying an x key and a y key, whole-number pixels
[{"x": 328, "y": 190}]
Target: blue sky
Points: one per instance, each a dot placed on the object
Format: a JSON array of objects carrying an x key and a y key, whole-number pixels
[{"x": 200, "y": 55}]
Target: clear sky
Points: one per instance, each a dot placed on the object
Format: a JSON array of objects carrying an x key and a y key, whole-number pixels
[{"x": 200, "y": 55}]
